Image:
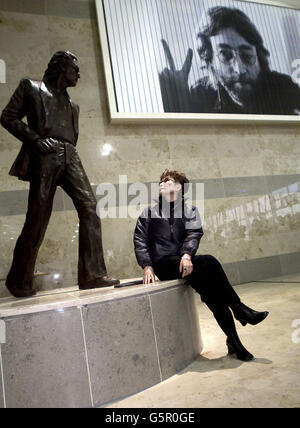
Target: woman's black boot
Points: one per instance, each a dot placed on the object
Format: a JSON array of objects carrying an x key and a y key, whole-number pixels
[
  {"x": 247, "y": 315},
  {"x": 235, "y": 346}
]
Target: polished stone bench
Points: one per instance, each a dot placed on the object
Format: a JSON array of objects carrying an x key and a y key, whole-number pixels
[{"x": 85, "y": 348}]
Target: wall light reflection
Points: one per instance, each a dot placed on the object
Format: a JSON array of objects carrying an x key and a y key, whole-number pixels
[{"x": 106, "y": 149}]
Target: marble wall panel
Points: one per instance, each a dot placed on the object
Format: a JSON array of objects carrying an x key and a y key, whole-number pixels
[
  {"x": 241, "y": 167},
  {"x": 53, "y": 335},
  {"x": 4, "y": 93},
  {"x": 243, "y": 228},
  {"x": 114, "y": 373},
  {"x": 285, "y": 164},
  {"x": 32, "y": 65},
  {"x": 286, "y": 212},
  {"x": 289, "y": 242},
  {"x": 237, "y": 141},
  {"x": 89, "y": 92},
  {"x": 70, "y": 8},
  {"x": 239, "y": 218},
  {"x": 119, "y": 253},
  {"x": 244, "y": 186},
  {"x": 105, "y": 158},
  {"x": 260, "y": 268},
  {"x": 136, "y": 171},
  {"x": 185, "y": 145},
  {"x": 8, "y": 183},
  {"x": 124, "y": 148},
  {"x": 199, "y": 167},
  {"x": 232, "y": 272},
  {"x": 34, "y": 6},
  {"x": 290, "y": 263},
  {"x": 27, "y": 52},
  {"x": 23, "y": 24},
  {"x": 279, "y": 140},
  {"x": 10, "y": 228},
  {"x": 278, "y": 184},
  {"x": 64, "y": 31},
  {"x": 58, "y": 254},
  {"x": 174, "y": 340},
  {"x": 15, "y": 202},
  {"x": 240, "y": 249},
  {"x": 9, "y": 147}
]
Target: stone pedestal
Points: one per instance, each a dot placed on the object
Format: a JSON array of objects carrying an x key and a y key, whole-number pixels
[{"x": 86, "y": 348}]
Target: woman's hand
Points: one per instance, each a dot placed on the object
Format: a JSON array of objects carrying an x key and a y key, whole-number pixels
[
  {"x": 186, "y": 265},
  {"x": 148, "y": 275}
]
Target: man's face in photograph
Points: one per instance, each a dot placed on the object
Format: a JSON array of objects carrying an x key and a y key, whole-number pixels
[{"x": 235, "y": 63}]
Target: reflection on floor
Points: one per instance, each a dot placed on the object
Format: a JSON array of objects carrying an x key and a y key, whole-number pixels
[{"x": 271, "y": 380}]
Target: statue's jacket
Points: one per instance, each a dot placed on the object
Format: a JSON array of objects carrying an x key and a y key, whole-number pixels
[{"x": 31, "y": 99}]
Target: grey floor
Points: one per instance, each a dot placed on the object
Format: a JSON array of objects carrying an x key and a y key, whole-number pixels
[{"x": 215, "y": 379}]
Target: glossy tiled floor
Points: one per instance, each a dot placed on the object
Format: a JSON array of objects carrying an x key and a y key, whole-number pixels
[{"x": 272, "y": 379}]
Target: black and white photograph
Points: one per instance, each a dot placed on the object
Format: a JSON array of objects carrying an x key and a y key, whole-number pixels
[{"x": 204, "y": 56}]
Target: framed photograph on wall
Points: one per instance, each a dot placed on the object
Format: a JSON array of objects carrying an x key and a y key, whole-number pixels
[{"x": 194, "y": 61}]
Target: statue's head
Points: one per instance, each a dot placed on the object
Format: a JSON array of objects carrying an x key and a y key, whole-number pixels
[{"x": 63, "y": 63}]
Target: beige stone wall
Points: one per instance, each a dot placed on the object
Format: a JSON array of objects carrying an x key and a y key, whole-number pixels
[{"x": 252, "y": 199}]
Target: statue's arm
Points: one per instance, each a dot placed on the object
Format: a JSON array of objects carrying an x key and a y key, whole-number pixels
[{"x": 14, "y": 112}]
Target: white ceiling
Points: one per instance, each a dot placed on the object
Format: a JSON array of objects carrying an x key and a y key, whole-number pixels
[
  {"x": 295, "y": 3},
  {"x": 291, "y": 3}
]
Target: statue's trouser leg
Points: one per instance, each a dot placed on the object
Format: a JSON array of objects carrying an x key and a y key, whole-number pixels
[
  {"x": 40, "y": 201},
  {"x": 49, "y": 172},
  {"x": 74, "y": 181}
]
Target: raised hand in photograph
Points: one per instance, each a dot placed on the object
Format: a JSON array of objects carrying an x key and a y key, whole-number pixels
[{"x": 174, "y": 83}]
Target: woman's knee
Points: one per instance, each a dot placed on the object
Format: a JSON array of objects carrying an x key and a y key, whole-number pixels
[
  {"x": 206, "y": 262},
  {"x": 212, "y": 260}
]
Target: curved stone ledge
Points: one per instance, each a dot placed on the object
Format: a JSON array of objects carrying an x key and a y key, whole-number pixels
[{"x": 77, "y": 348}]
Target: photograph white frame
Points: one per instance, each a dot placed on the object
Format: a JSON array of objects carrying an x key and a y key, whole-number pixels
[{"x": 117, "y": 117}]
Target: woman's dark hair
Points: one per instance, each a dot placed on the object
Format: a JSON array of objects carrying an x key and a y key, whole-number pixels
[
  {"x": 177, "y": 176},
  {"x": 58, "y": 61},
  {"x": 219, "y": 18}
]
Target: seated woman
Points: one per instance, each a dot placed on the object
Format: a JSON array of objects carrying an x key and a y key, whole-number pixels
[{"x": 166, "y": 239}]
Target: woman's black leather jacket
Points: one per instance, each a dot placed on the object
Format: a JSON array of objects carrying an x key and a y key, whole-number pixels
[{"x": 163, "y": 231}]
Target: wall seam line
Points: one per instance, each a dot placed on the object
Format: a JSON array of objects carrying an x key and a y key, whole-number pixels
[
  {"x": 86, "y": 357},
  {"x": 155, "y": 339}
]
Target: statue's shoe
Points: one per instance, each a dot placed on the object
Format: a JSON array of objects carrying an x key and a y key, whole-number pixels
[
  {"x": 21, "y": 292},
  {"x": 100, "y": 282}
]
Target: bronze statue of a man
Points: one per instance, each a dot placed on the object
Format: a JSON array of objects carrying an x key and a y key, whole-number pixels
[{"x": 48, "y": 158}]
